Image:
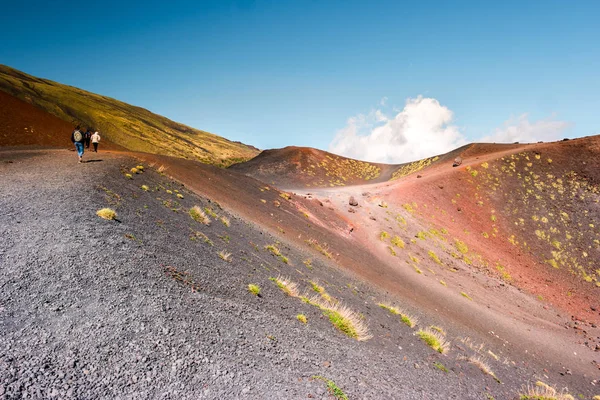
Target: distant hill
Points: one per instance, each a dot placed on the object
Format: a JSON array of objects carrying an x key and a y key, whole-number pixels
[
  {"x": 131, "y": 127},
  {"x": 307, "y": 167}
]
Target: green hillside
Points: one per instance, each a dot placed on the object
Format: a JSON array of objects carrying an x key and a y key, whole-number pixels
[{"x": 134, "y": 128}]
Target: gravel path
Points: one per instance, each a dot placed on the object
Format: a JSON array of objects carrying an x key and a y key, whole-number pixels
[{"x": 90, "y": 308}]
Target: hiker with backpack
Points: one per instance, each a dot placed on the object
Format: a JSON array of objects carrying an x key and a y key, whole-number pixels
[
  {"x": 95, "y": 141},
  {"x": 78, "y": 138},
  {"x": 88, "y": 136}
]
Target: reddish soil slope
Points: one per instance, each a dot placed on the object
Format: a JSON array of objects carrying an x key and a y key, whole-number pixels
[
  {"x": 293, "y": 167},
  {"x": 22, "y": 124},
  {"x": 521, "y": 215}
]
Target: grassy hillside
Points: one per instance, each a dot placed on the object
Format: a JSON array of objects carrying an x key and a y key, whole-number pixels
[{"x": 132, "y": 127}]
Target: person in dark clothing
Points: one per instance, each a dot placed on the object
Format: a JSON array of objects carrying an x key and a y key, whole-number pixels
[
  {"x": 78, "y": 138},
  {"x": 88, "y": 137}
]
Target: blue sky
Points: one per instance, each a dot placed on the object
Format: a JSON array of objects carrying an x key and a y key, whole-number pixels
[{"x": 278, "y": 73}]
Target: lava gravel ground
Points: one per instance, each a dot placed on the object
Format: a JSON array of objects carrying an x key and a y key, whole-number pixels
[{"x": 145, "y": 308}]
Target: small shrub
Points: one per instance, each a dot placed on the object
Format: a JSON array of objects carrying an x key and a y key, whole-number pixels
[
  {"x": 134, "y": 170},
  {"x": 179, "y": 195},
  {"x": 443, "y": 283},
  {"x": 145, "y": 188},
  {"x": 225, "y": 221},
  {"x": 383, "y": 235},
  {"x": 466, "y": 296},
  {"x": 169, "y": 191},
  {"x": 396, "y": 241},
  {"x": 129, "y": 176},
  {"x": 140, "y": 167},
  {"x": 225, "y": 255},
  {"x": 440, "y": 366},
  {"x": 199, "y": 216},
  {"x": 285, "y": 195},
  {"x": 107, "y": 213},
  {"x": 333, "y": 389},
  {"x": 254, "y": 289},
  {"x": 461, "y": 246},
  {"x": 421, "y": 235},
  {"x": 434, "y": 340},
  {"x": 302, "y": 318},
  {"x": 434, "y": 257}
]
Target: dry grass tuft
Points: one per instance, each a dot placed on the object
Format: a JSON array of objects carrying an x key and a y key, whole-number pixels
[
  {"x": 481, "y": 363},
  {"x": 287, "y": 286},
  {"x": 408, "y": 319},
  {"x": 226, "y": 221},
  {"x": 225, "y": 255},
  {"x": 199, "y": 216},
  {"x": 343, "y": 318},
  {"x": 542, "y": 391},
  {"x": 316, "y": 287},
  {"x": 434, "y": 339},
  {"x": 107, "y": 213}
]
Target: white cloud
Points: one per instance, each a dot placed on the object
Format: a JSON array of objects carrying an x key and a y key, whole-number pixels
[
  {"x": 383, "y": 100},
  {"x": 519, "y": 129},
  {"x": 422, "y": 129}
]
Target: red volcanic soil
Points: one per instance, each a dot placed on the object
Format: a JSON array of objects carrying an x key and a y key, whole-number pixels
[
  {"x": 22, "y": 124},
  {"x": 293, "y": 167},
  {"x": 499, "y": 210},
  {"x": 352, "y": 239}
]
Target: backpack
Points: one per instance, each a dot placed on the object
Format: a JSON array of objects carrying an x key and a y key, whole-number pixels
[{"x": 77, "y": 136}]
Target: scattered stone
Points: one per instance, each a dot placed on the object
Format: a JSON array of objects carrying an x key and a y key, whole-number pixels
[
  {"x": 457, "y": 162},
  {"x": 352, "y": 201}
]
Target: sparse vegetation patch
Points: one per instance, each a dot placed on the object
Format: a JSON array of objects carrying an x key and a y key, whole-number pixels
[
  {"x": 286, "y": 285},
  {"x": 254, "y": 289},
  {"x": 333, "y": 389},
  {"x": 199, "y": 216},
  {"x": 107, "y": 213},
  {"x": 434, "y": 339}
]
